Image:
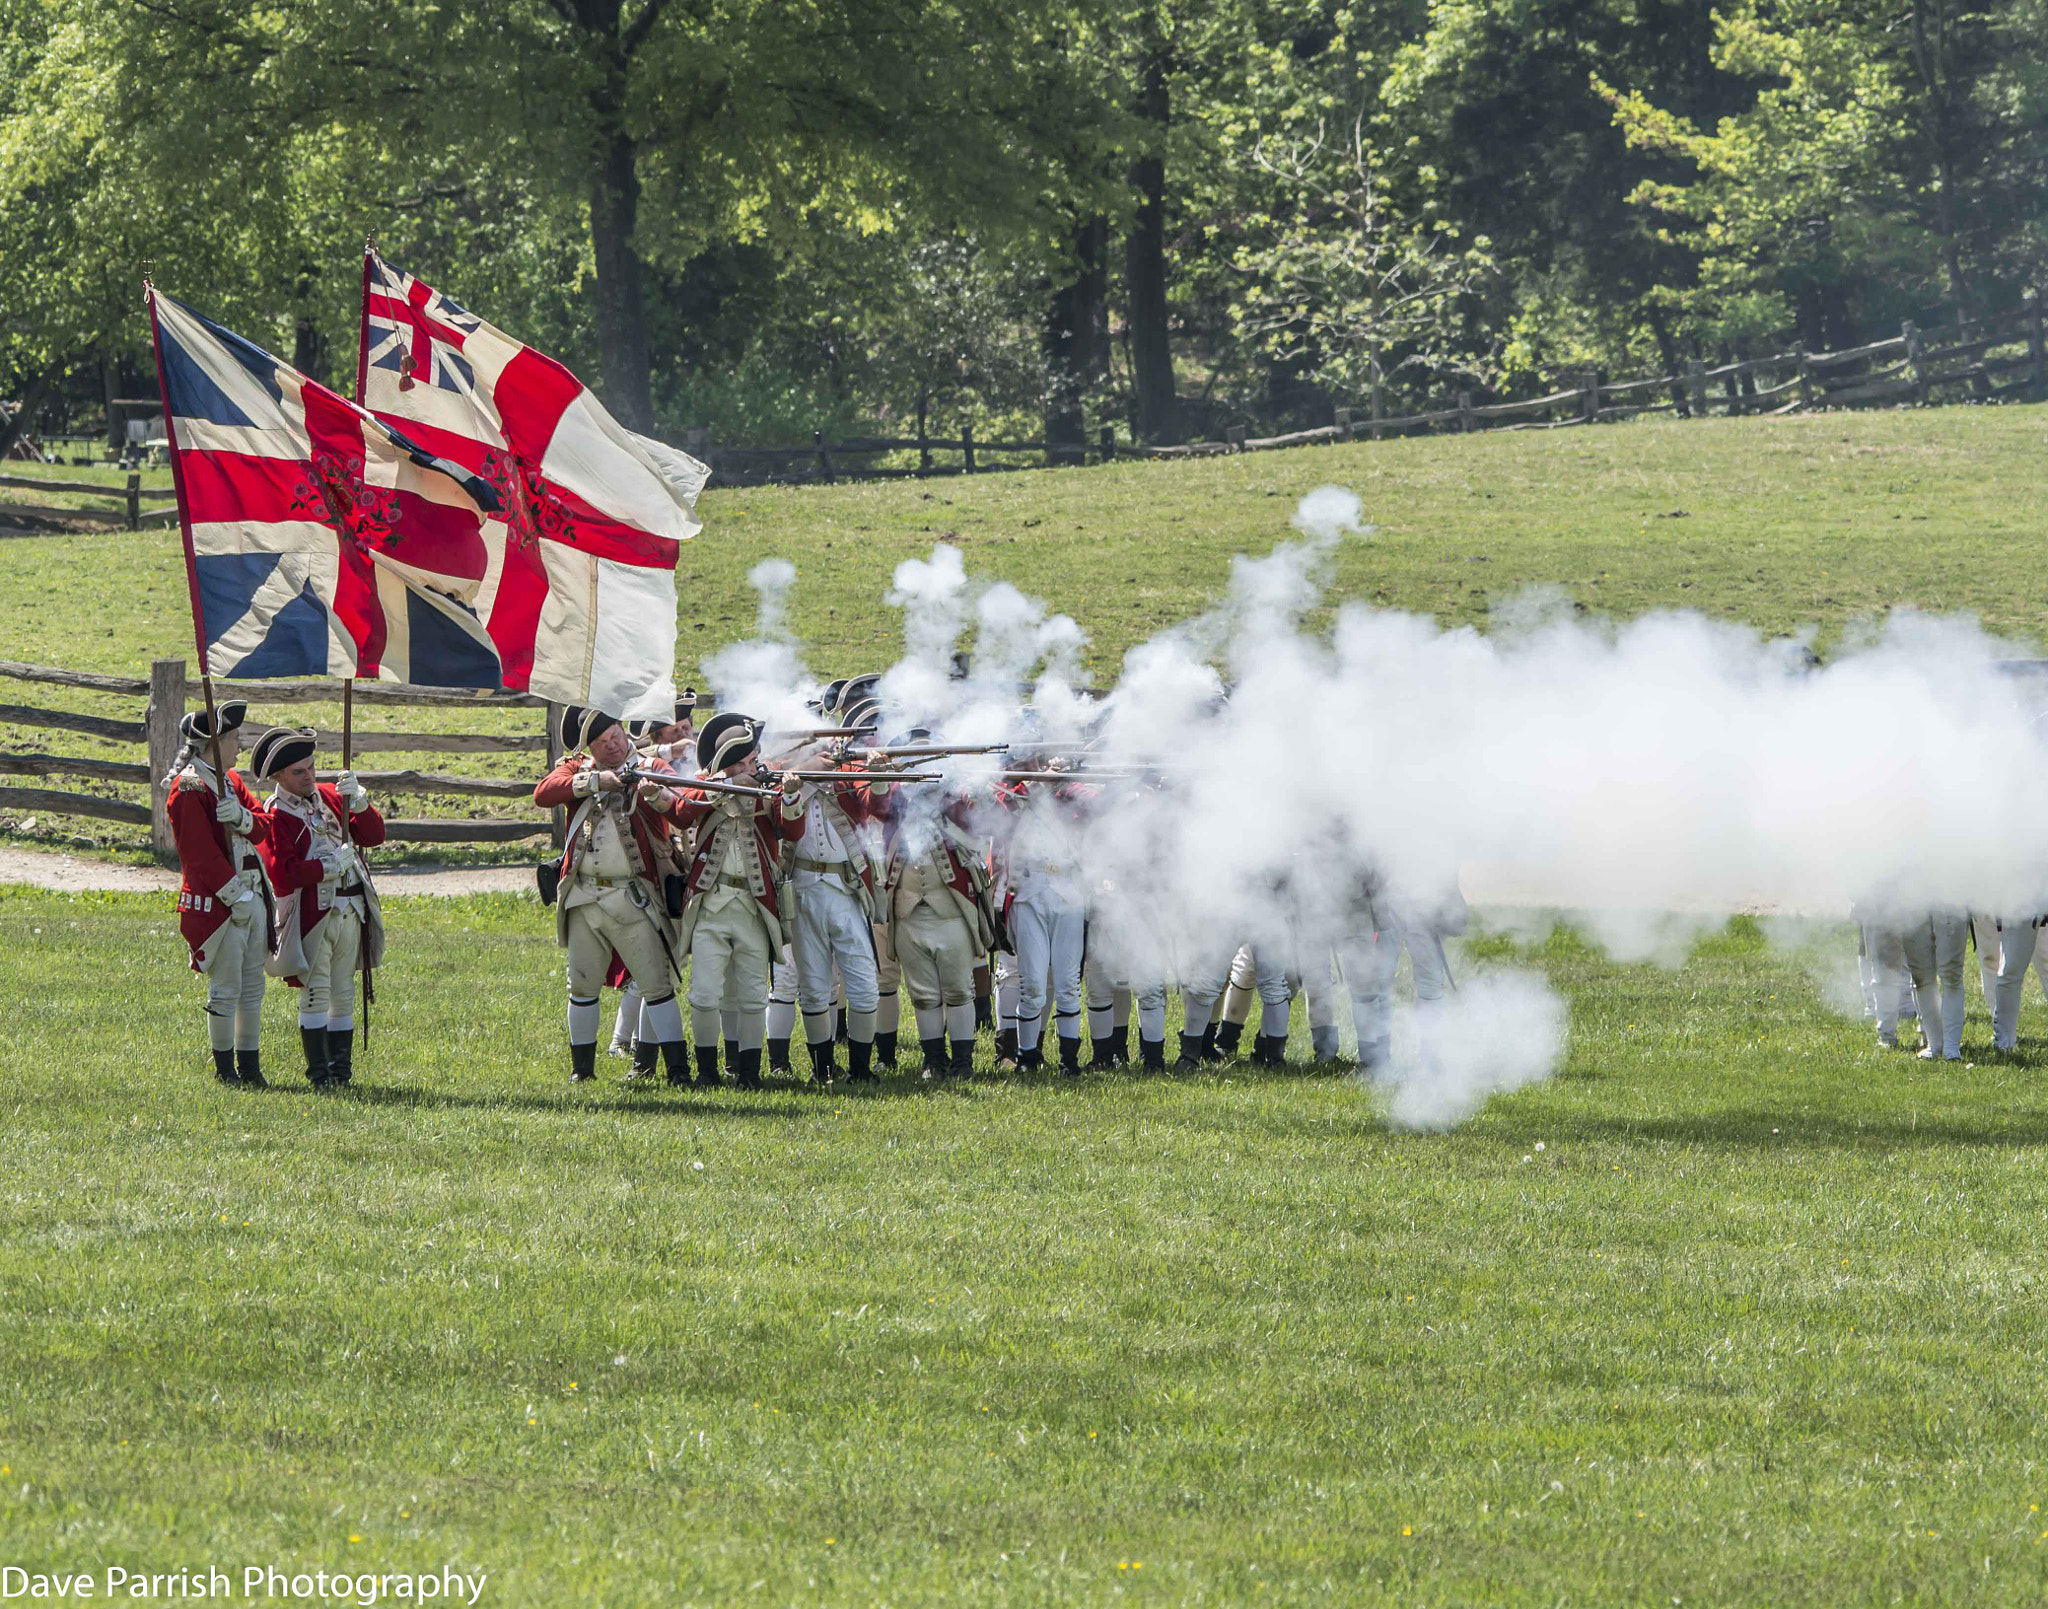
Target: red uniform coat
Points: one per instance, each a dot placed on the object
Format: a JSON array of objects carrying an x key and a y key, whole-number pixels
[
  {"x": 203, "y": 852},
  {"x": 287, "y": 856},
  {"x": 772, "y": 824},
  {"x": 648, "y": 843}
]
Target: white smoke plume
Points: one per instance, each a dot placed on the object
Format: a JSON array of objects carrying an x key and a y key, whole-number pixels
[{"x": 1267, "y": 784}]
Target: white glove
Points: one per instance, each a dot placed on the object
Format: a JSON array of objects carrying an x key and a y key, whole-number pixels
[
  {"x": 352, "y": 790},
  {"x": 233, "y": 813}
]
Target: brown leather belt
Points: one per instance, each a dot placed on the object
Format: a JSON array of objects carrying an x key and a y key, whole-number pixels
[
  {"x": 603, "y": 882},
  {"x": 734, "y": 882}
]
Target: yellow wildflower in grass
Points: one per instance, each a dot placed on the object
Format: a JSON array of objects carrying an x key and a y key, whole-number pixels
[{"x": 353, "y": 1537}]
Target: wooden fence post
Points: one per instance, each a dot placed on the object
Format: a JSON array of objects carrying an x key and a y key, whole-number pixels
[
  {"x": 134, "y": 501},
  {"x": 1379, "y": 407},
  {"x": 2037, "y": 359},
  {"x": 1108, "y": 439},
  {"x": 1589, "y": 396},
  {"x": 1909, "y": 332},
  {"x": 160, "y": 721},
  {"x": 1696, "y": 388},
  {"x": 1465, "y": 418},
  {"x": 967, "y": 446},
  {"x": 924, "y": 448},
  {"x": 1235, "y": 436},
  {"x": 558, "y": 827},
  {"x": 824, "y": 456},
  {"x": 1343, "y": 424}
]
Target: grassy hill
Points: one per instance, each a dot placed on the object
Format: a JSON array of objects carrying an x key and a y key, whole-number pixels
[{"x": 1780, "y": 522}]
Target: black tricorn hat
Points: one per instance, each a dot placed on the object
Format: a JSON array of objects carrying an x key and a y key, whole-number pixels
[
  {"x": 280, "y": 747},
  {"x": 194, "y": 728},
  {"x": 640, "y": 728},
  {"x": 580, "y": 726},
  {"x": 862, "y": 712},
  {"x": 726, "y": 740},
  {"x": 686, "y": 705}
]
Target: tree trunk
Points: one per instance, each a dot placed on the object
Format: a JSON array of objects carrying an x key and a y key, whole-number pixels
[
  {"x": 1073, "y": 346},
  {"x": 309, "y": 347},
  {"x": 1145, "y": 258},
  {"x": 621, "y": 303},
  {"x": 12, "y": 430}
]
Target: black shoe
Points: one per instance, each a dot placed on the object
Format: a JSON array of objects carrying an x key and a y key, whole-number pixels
[
  {"x": 1209, "y": 1051},
  {"x": 1122, "y": 1041},
  {"x": 1006, "y": 1049},
  {"x": 675, "y": 1060},
  {"x": 314, "y": 1042},
  {"x": 1152, "y": 1055},
  {"x": 1102, "y": 1053},
  {"x": 1226, "y": 1036},
  {"x": 778, "y": 1056},
  {"x": 824, "y": 1063},
  {"x": 732, "y": 1054},
  {"x": 984, "y": 1013},
  {"x": 583, "y": 1063},
  {"x": 963, "y": 1058},
  {"x": 748, "y": 1073},
  {"x": 1032, "y": 1060},
  {"x": 224, "y": 1067},
  {"x": 646, "y": 1055},
  {"x": 707, "y": 1064},
  {"x": 1269, "y": 1050},
  {"x": 1070, "y": 1055},
  {"x": 859, "y": 1053},
  {"x": 249, "y": 1069},
  {"x": 341, "y": 1050},
  {"x": 1190, "y": 1054},
  {"x": 936, "y": 1064},
  {"x": 885, "y": 1050}
]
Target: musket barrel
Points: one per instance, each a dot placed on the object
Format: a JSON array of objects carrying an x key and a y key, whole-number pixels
[{"x": 867, "y": 776}]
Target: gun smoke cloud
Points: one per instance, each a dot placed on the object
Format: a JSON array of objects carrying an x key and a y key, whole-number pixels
[{"x": 1269, "y": 784}]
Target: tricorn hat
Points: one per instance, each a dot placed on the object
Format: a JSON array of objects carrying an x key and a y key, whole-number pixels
[
  {"x": 726, "y": 740},
  {"x": 280, "y": 747},
  {"x": 857, "y": 689},
  {"x": 641, "y": 728},
  {"x": 686, "y": 705},
  {"x": 194, "y": 728},
  {"x": 580, "y": 726},
  {"x": 861, "y": 713}
]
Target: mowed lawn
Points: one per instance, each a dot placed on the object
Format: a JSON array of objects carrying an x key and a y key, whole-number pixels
[{"x": 1739, "y": 1309}]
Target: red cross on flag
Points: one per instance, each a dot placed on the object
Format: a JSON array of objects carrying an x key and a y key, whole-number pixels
[{"x": 574, "y": 577}]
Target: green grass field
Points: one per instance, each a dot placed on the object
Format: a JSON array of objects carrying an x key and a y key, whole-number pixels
[{"x": 1739, "y": 1309}]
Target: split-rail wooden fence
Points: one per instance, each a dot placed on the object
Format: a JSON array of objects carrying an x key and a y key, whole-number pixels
[{"x": 163, "y": 696}]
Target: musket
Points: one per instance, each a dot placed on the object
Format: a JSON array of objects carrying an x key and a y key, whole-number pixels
[
  {"x": 664, "y": 779},
  {"x": 927, "y": 751},
  {"x": 811, "y": 733},
  {"x": 865, "y": 776},
  {"x": 1092, "y": 774}
]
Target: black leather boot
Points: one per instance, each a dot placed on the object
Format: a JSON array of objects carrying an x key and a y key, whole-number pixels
[
  {"x": 707, "y": 1064},
  {"x": 1269, "y": 1050},
  {"x": 984, "y": 1013},
  {"x": 824, "y": 1063},
  {"x": 249, "y": 1068},
  {"x": 583, "y": 1063},
  {"x": 748, "y": 1074},
  {"x": 778, "y": 1056},
  {"x": 1209, "y": 1051},
  {"x": 314, "y": 1042},
  {"x": 1032, "y": 1060},
  {"x": 646, "y": 1054},
  {"x": 1123, "y": 1038},
  {"x": 341, "y": 1051},
  {"x": 1227, "y": 1035},
  {"x": 675, "y": 1059},
  {"x": 936, "y": 1064},
  {"x": 1190, "y": 1054},
  {"x": 732, "y": 1054},
  {"x": 1070, "y": 1055},
  {"x": 859, "y": 1055},
  {"x": 1102, "y": 1053},
  {"x": 224, "y": 1067},
  {"x": 885, "y": 1050},
  {"x": 963, "y": 1058},
  {"x": 1006, "y": 1048},
  {"x": 1152, "y": 1055}
]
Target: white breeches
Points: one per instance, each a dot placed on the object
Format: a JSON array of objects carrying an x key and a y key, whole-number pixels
[
  {"x": 235, "y": 979},
  {"x": 1931, "y": 950},
  {"x": 1048, "y": 933},
  {"x": 833, "y": 931},
  {"x": 936, "y": 953},
  {"x": 332, "y": 952}
]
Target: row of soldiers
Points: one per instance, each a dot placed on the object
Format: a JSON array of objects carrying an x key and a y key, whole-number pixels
[
  {"x": 823, "y": 882},
  {"x": 1911, "y": 966}
]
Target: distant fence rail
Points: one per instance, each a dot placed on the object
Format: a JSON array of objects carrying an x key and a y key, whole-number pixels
[
  {"x": 1910, "y": 367},
  {"x": 165, "y": 695}
]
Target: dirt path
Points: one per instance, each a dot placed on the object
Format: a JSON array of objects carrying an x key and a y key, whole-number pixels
[{"x": 44, "y": 868}]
